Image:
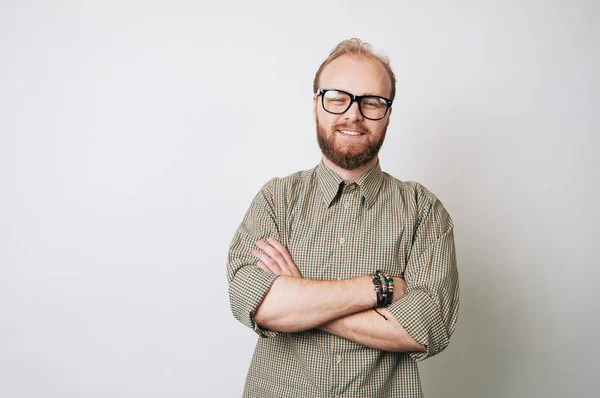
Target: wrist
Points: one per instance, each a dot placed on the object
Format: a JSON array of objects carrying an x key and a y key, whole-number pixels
[
  {"x": 363, "y": 295},
  {"x": 370, "y": 293},
  {"x": 383, "y": 284},
  {"x": 400, "y": 289}
]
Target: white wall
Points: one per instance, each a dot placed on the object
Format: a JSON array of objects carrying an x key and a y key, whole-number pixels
[{"x": 133, "y": 135}]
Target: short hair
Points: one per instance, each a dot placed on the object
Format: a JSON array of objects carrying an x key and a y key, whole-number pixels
[{"x": 358, "y": 48}]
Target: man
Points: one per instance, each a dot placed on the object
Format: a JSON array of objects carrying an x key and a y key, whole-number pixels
[{"x": 347, "y": 274}]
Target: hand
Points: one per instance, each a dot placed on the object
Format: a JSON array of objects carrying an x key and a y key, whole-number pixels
[
  {"x": 400, "y": 287},
  {"x": 275, "y": 259}
]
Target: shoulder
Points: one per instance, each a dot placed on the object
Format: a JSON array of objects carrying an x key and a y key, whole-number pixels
[
  {"x": 281, "y": 187},
  {"x": 426, "y": 206},
  {"x": 411, "y": 191},
  {"x": 418, "y": 200}
]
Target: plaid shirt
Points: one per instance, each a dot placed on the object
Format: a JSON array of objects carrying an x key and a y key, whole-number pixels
[{"x": 338, "y": 230}]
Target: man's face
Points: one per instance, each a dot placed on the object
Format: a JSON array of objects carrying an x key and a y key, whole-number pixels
[{"x": 350, "y": 140}]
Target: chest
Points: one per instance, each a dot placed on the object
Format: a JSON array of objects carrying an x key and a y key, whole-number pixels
[{"x": 348, "y": 239}]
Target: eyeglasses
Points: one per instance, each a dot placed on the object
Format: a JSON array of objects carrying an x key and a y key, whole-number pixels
[{"x": 337, "y": 102}]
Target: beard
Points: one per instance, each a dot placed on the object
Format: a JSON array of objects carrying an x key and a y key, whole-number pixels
[{"x": 350, "y": 156}]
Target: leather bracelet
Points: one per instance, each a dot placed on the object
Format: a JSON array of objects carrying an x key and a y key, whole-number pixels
[
  {"x": 378, "y": 291},
  {"x": 384, "y": 288}
]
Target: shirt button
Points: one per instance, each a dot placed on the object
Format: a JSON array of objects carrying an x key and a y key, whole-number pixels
[
  {"x": 346, "y": 205},
  {"x": 342, "y": 241},
  {"x": 338, "y": 358}
]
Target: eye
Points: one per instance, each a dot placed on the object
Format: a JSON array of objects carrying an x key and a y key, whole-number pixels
[
  {"x": 334, "y": 97},
  {"x": 373, "y": 102}
]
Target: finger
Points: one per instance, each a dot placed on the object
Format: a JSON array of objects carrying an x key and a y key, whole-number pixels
[
  {"x": 278, "y": 252},
  {"x": 280, "y": 248},
  {"x": 286, "y": 255},
  {"x": 400, "y": 287},
  {"x": 275, "y": 256},
  {"x": 269, "y": 262},
  {"x": 262, "y": 266},
  {"x": 269, "y": 266}
]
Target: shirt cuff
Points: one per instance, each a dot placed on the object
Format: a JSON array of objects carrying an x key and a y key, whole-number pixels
[
  {"x": 418, "y": 314},
  {"x": 247, "y": 290}
]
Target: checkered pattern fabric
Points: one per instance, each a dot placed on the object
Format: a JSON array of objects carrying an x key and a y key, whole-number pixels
[{"x": 338, "y": 230}]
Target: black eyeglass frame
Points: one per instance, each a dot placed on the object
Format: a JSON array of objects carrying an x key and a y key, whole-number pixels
[{"x": 353, "y": 99}]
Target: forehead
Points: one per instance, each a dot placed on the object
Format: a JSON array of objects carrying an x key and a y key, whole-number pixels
[{"x": 357, "y": 75}]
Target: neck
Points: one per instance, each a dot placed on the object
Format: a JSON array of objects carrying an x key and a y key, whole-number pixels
[{"x": 350, "y": 175}]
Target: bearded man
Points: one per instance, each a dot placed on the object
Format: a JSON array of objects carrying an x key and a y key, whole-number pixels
[{"x": 347, "y": 274}]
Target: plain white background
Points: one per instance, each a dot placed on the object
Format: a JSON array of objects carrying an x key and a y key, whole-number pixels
[{"x": 134, "y": 134}]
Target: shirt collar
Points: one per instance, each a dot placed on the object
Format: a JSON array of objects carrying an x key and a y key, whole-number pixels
[
  {"x": 369, "y": 183},
  {"x": 329, "y": 183}
]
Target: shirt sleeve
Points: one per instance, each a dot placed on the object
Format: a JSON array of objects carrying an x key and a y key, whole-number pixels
[
  {"x": 429, "y": 310},
  {"x": 248, "y": 284}
]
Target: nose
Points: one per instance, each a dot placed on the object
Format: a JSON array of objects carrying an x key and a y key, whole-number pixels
[{"x": 353, "y": 113}]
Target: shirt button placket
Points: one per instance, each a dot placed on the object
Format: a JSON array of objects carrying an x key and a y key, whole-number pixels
[{"x": 338, "y": 360}]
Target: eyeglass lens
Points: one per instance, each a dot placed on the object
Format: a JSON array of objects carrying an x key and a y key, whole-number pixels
[{"x": 338, "y": 102}]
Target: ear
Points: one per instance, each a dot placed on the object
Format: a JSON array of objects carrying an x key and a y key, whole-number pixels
[
  {"x": 315, "y": 103},
  {"x": 389, "y": 118}
]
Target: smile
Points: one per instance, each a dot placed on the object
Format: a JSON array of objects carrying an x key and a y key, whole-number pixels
[{"x": 350, "y": 132}]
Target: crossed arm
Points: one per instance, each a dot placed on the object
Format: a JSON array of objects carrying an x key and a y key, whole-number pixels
[{"x": 342, "y": 308}]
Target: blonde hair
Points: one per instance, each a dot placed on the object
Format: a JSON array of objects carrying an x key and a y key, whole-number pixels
[{"x": 358, "y": 48}]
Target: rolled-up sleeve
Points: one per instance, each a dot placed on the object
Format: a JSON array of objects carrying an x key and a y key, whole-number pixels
[
  {"x": 248, "y": 284},
  {"x": 429, "y": 310}
]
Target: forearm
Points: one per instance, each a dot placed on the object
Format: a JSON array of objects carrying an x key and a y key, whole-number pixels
[
  {"x": 370, "y": 329},
  {"x": 297, "y": 304}
]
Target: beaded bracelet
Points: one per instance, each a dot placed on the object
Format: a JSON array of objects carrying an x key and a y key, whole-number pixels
[
  {"x": 378, "y": 290},
  {"x": 384, "y": 288},
  {"x": 390, "y": 289}
]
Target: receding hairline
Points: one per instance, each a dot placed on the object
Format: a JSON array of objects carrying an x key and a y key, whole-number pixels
[
  {"x": 359, "y": 57},
  {"x": 357, "y": 48}
]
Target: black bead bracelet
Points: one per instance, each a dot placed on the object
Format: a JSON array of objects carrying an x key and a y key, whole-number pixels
[{"x": 384, "y": 288}]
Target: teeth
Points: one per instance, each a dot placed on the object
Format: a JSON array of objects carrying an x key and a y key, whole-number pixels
[{"x": 349, "y": 132}]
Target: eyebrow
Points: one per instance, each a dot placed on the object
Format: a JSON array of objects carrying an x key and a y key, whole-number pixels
[{"x": 360, "y": 95}]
